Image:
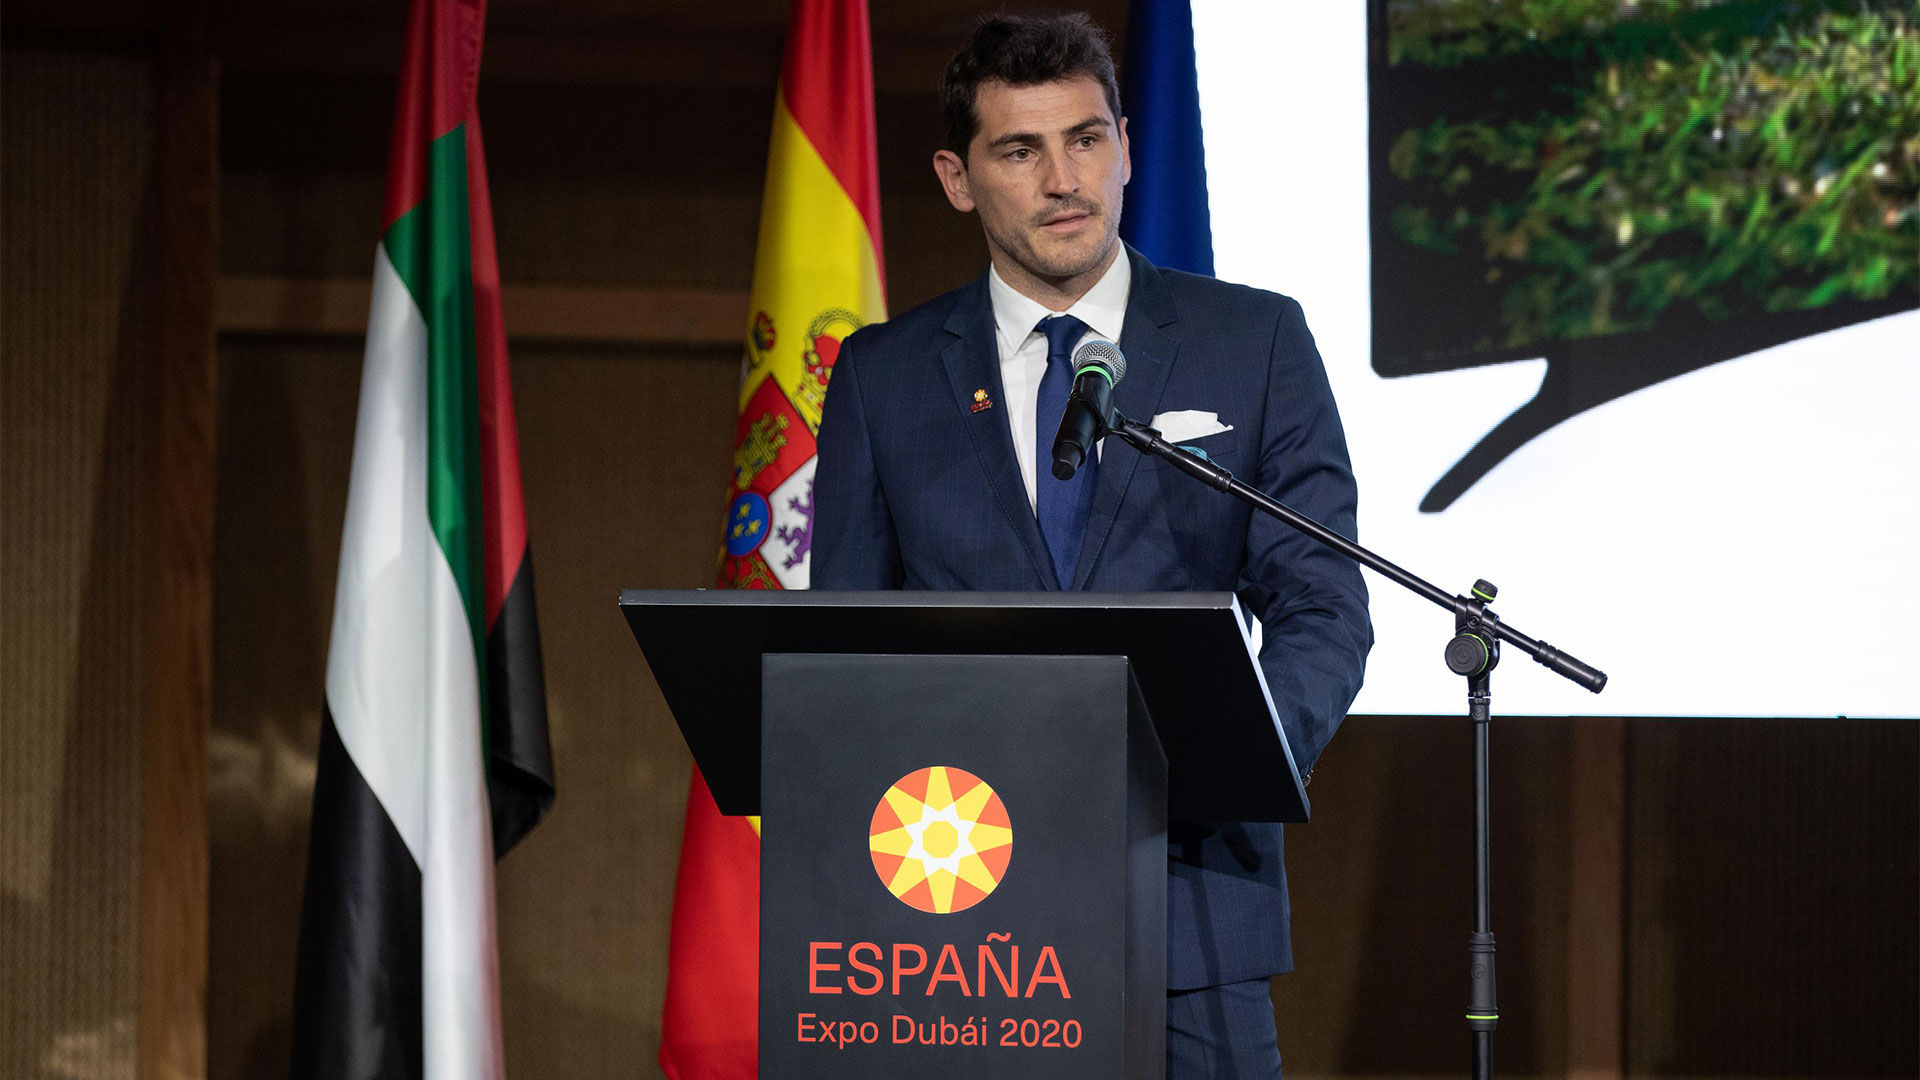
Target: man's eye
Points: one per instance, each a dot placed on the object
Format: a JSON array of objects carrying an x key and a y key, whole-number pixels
[
  {"x": 1087, "y": 141},
  {"x": 1020, "y": 154}
]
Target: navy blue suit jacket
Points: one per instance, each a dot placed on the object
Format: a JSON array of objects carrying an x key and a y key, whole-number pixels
[{"x": 916, "y": 490}]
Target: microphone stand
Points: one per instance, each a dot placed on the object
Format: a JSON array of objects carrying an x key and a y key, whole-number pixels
[{"x": 1473, "y": 652}]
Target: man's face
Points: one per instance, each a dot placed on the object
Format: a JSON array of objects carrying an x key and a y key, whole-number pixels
[{"x": 1045, "y": 171}]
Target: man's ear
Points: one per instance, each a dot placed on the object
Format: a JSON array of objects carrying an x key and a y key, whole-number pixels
[
  {"x": 953, "y": 179},
  {"x": 1126, "y": 155}
]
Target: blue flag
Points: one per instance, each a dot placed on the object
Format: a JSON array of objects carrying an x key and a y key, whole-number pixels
[{"x": 1166, "y": 207}]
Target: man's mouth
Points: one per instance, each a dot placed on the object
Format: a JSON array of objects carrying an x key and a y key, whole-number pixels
[{"x": 1065, "y": 222}]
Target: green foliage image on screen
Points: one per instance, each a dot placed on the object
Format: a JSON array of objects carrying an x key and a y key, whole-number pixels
[{"x": 1634, "y": 190}]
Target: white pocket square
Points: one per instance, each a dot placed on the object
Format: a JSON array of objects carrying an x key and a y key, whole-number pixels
[{"x": 1178, "y": 427}]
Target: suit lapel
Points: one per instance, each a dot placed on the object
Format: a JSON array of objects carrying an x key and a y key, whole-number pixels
[
  {"x": 973, "y": 362},
  {"x": 1150, "y": 352}
]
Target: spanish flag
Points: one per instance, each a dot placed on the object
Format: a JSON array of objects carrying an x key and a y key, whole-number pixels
[
  {"x": 817, "y": 278},
  {"x": 433, "y": 755}
]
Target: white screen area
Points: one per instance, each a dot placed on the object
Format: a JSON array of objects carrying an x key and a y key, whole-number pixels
[{"x": 1738, "y": 541}]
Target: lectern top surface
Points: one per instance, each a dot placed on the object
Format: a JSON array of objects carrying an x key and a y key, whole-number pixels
[
  {"x": 907, "y": 598},
  {"x": 1227, "y": 759}
]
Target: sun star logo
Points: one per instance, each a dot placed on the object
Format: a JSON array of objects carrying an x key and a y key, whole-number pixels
[{"x": 940, "y": 839}]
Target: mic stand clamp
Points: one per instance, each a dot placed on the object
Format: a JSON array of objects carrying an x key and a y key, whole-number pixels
[{"x": 1473, "y": 652}]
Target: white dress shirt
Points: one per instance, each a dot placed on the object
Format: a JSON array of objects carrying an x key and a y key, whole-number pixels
[{"x": 1023, "y": 350}]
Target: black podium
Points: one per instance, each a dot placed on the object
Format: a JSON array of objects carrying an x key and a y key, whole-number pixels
[{"x": 964, "y": 800}]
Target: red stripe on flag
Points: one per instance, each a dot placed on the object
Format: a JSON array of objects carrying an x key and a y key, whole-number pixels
[
  {"x": 439, "y": 75},
  {"x": 503, "y": 508},
  {"x": 827, "y": 79},
  {"x": 710, "y": 1028}
]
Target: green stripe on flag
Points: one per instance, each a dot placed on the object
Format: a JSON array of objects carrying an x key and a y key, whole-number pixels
[{"x": 430, "y": 248}]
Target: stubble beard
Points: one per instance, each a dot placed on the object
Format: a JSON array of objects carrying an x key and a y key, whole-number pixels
[{"x": 1064, "y": 265}]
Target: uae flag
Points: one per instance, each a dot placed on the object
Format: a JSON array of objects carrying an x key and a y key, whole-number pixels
[
  {"x": 433, "y": 749},
  {"x": 816, "y": 278}
]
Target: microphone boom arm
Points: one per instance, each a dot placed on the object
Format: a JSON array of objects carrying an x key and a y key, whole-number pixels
[
  {"x": 1147, "y": 440},
  {"x": 1473, "y": 653}
]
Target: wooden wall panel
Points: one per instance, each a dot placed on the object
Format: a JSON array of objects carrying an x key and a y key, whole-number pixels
[
  {"x": 1596, "y": 898},
  {"x": 634, "y": 498},
  {"x": 178, "y": 560},
  {"x": 76, "y": 312},
  {"x": 1773, "y": 923},
  {"x": 1382, "y": 891},
  {"x": 285, "y": 436},
  {"x": 575, "y": 314},
  {"x": 651, "y": 186}
]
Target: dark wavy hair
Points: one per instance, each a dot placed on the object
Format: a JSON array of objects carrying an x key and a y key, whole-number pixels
[{"x": 1022, "y": 51}]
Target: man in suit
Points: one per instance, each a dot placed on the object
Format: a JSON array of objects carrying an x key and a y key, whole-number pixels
[{"x": 935, "y": 456}]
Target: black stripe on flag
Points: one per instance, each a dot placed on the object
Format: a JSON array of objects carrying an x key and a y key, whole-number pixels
[
  {"x": 356, "y": 997},
  {"x": 520, "y": 769}
]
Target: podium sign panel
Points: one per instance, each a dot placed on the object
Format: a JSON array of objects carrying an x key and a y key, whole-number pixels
[{"x": 963, "y": 868}]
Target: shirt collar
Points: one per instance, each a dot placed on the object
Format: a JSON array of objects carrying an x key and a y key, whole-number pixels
[{"x": 1103, "y": 308}]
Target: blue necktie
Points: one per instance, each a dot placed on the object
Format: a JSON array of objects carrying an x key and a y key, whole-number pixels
[{"x": 1061, "y": 505}]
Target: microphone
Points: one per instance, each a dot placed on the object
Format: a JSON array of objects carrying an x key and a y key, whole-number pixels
[{"x": 1097, "y": 365}]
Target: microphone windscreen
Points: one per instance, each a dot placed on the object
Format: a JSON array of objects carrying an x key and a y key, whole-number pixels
[{"x": 1100, "y": 351}]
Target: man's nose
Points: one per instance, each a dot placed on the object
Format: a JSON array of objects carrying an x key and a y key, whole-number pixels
[{"x": 1062, "y": 178}]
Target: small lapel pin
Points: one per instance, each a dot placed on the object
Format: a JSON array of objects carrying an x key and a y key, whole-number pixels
[{"x": 981, "y": 402}]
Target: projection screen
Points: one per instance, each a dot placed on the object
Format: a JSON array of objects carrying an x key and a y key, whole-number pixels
[{"x": 1619, "y": 308}]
